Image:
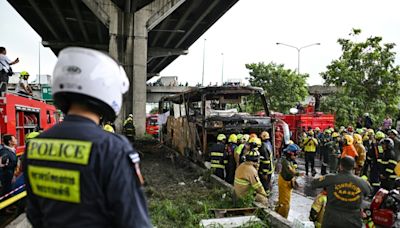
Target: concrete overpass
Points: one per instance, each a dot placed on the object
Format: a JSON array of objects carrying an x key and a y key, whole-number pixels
[
  {"x": 144, "y": 35},
  {"x": 154, "y": 93}
]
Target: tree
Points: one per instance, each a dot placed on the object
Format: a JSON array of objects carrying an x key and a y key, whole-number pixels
[
  {"x": 367, "y": 78},
  {"x": 283, "y": 87}
]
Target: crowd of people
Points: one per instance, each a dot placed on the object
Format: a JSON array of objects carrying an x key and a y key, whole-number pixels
[{"x": 364, "y": 158}]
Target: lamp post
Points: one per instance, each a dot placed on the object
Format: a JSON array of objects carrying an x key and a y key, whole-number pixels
[
  {"x": 222, "y": 70},
  {"x": 298, "y": 52},
  {"x": 204, "y": 54}
]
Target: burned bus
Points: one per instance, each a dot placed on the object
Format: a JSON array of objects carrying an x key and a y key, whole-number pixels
[{"x": 191, "y": 120}]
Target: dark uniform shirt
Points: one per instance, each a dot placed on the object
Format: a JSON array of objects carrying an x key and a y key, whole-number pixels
[
  {"x": 79, "y": 175},
  {"x": 345, "y": 195}
]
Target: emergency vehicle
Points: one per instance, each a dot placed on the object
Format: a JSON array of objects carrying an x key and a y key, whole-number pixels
[
  {"x": 152, "y": 125},
  {"x": 20, "y": 115}
]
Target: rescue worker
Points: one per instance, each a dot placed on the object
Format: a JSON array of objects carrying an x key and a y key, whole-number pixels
[
  {"x": 369, "y": 142},
  {"x": 324, "y": 151},
  {"x": 231, "y": 164},
  {"x": 23, "y": 86},
  {"x": 129, "y": 128},
  {"x": 378, "y": 167},
  {"x": 345, "y": 195},
  {"x": 247, "y": 179},
  {"x": 387, "y": 174},
  {"x": 286, "y": 179},
  {"x": 238, "y": 150},
  {"x": 310, "y": 147},
  {"x": 394, "y": 135},
  {"x": 318, "y": 208},
  {"x": 266, "y": 162},
  {"x": 92, "y": 177},
  {"x": 348, "y": 147},
  {"x": 218, "y": 156},
  {"x": 362, "y": 153},
  {"x": 333, "y": 152}
]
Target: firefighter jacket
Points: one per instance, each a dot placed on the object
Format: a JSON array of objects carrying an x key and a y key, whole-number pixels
[
  {"x": 129, "y": 128},
  {"x": 318, "y": 209},
  {"x": 289, "y": 169},
  {"x": 246, "y": 178},
  {"x": 388, "y": 165},
  {"x": 396, "y": 141},
  {"x": 349, "y": 150},
  {"x": 218, "y": 156},
  {"x": 78, "y": 175},
  {"x": 310, "y": 144},
  {"x": 345, "y": 193},
  {"x": 266, "y": 161},
  {"x": 362, "y": 154}
]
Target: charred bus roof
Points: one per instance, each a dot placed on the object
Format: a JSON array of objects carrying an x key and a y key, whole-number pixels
[{"x": 196, "y": 94}]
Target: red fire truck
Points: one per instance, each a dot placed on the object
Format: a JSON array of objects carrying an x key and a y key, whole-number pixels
[{"x": 152, "y": 125}]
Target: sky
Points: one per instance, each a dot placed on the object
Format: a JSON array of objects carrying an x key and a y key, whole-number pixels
[{"x": 247, "y": 33}]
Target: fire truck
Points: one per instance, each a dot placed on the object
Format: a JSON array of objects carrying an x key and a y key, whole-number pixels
[{"x": 20, "y": 115}]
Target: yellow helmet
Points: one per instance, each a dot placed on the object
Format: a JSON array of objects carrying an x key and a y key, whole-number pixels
[
  {"x": 239, "y": 137},
  {"x": 335, "y": 135},
  {"x": 370, "y": 132},
  {"x": 357, "y": 138},
  {"x": 232, "y": 138},
  {"x": 255, "y": 141},
  {"x": 253, "y": 155},
  {"x": 317, "y": 129},
  {"x": 221, "y": 137},
  {"x": 246, "y": 137},
  {"x": 23, "y": 74},
  {"x": 264, "y": 135},
  {"x": 349, "y": 139},
  {"x": 379, "y": 135}
]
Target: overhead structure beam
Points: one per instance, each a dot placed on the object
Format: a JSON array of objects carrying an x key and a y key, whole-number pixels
[
  {"x": 162, "y": 13},
  {"x": 61, "y": 17},
  {"x": 80, "y": 20},
  {"x": 102, "y": 9},
  {"x": 99, "y": 34},
  {"x": 60, "y": 45},
  {"x": 43, "y": 18},
  {"x": 162, "y": 52}
]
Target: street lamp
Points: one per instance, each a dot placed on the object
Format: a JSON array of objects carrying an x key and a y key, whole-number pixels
[
  {"x": 222, "y": 70},
  {"x": 298, "y": 52},
  {"x": 204, "y": 56}
]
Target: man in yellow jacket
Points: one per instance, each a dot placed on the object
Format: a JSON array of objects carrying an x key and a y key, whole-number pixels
[
  {"x": 318, "y": 208},
  {"x": 247, "y": 179},
  {"x": 310, "y": 147}
]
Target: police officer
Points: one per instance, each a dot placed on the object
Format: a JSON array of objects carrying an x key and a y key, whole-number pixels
[
  {"x": 76, "y": 174},
  {"x": 345, "y": 195},
  {"x": 218, "y": 156}
]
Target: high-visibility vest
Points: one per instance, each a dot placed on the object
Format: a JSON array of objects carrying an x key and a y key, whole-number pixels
[{"x": 397, "y": 169}]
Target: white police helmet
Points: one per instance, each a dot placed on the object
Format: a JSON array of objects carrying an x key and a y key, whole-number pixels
[{"x": 90, "y": 77}]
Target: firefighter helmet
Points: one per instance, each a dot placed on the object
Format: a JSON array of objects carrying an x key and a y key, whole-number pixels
[
  {"x": 335, "y": 135},
  {"x": 317, "y": 129},
  {"x": 253, "y": 156},
  {"x": 349, "y": 140},
  {"x": 379, "y": 135},
  {"x": 394, "y": 132},
  {"x": 255, "y": 141},
  {"x": 232, "y": 138},
  {"x": 23, "y": 74},
  {"x": 264, "y": 135},
  {"x": 91, "y": 78},
  {"x": 389, "y": 143},
  {"x": 292, "y": 149},
  {"x": 239, "y": 137},
  {"x": 221, "y": 137},
  {"x": 246, "y": 137},
  {"x": 253, "y": 135},
  {"x": 357, "y": 138}
]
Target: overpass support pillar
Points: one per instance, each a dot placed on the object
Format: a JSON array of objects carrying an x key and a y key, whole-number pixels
[{"x": 140, "y": 70}]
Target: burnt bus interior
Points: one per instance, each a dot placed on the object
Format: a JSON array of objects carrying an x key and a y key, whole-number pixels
[{"x": 193, "y": 119}]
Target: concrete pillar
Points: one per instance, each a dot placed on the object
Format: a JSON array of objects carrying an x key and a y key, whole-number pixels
[{"x": 140, "y": 70}]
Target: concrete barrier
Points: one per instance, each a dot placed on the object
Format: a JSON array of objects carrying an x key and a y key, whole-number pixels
[{"x": 20, "y": 222}]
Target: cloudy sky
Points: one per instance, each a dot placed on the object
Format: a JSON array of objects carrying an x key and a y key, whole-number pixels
[{"x": 247, "y": 33}]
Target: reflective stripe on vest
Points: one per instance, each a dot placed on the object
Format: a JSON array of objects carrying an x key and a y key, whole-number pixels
[
  {"x": 217, "y": 166},
  {"x": 217, "y": 154},
  {"x": 241, "y": 181}
]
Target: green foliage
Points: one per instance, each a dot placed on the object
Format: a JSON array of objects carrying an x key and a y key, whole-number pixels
[
  {"x": 367, "y": 78},
  {"x": 154, "y": 110},
  {"x": 283, "y": 87}
]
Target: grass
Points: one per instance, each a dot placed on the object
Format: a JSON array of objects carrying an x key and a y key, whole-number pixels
[{"x": 190, "y": 204}]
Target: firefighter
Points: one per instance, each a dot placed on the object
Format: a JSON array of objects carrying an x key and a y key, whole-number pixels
[
  {"x": 247, "y": 179},
  {"x": 348, "y": 147},
  {"x": 231, "y": 165},
  {"x": 387, "y": 174},
  {"x": 266, "y": 162},
  {"x": 362, "y": 153},
  {"x": 218, "y": 156},
  {"x": 23, "y": 87},
  {"x": 286, "y": 179},
  {"x": 394, "y": 135},
  {"x": 369, "y": 142},
  {"x": 129, "y": 128},
  {"x": 92, "y": 177},
  {"x": 310, "y": 147},
  {"x": 324, "y": 142},
  {"x": 242, "y": 139},
  {"x": 333, "y": 152},
  {"x": 318, "y": 208},
  {"x": 377, "y": 168},
  {"x": 345, "y": 195}
]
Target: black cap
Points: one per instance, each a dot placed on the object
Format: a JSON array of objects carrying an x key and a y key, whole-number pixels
[{"x": 347, "y": 163}]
